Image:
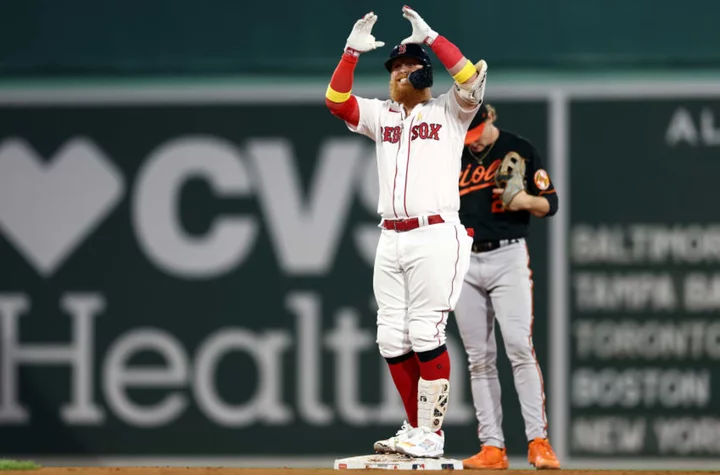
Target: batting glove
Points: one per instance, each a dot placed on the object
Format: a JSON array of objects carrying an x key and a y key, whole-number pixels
[
  {"x": 421, "y": 32},
  {"x": 361, "y": 39}
]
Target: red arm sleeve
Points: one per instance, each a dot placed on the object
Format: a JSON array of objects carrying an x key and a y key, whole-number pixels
[
  {"x": 452, "y": 58},
  {"x": 338, "y": 97},
  {"x": 448, "y": 54}
]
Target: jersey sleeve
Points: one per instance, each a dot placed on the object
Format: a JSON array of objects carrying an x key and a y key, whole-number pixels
[
  {"x": 455, "y": 110},
  {"x": 538, "y": 180},
  {"x": 368, "y": 124}
]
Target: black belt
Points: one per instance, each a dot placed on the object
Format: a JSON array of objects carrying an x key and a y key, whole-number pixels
[{"x": 485, "y": 246}]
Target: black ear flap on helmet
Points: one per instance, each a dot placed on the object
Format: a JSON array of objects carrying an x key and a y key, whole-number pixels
[{"x": 421, "y": 78}]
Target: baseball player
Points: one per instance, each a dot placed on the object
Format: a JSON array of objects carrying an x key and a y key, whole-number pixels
[
  {"x": 424, "y": 251},
  {"x": 498, "y": 285}
]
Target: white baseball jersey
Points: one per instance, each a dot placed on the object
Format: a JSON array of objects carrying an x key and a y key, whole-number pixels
[{"x": 418, "y": 155}]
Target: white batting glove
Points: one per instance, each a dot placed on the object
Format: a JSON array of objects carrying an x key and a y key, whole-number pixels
[
  {"x": 421, "y": 32},
  {"x": 361, "y": 39}
]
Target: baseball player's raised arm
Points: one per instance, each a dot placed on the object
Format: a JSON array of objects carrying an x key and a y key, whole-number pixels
[
  {"x": 469, "y": 77},
  {"x": 338, "y": 97},
  {"x": 460, "y": 68}
]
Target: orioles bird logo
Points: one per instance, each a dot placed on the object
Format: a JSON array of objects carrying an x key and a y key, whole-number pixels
[{"x": 542, "y": 180}]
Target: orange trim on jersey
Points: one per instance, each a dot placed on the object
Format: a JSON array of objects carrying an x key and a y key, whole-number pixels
[
  {"x": 546, "y": 192},
  {"x": 532, "y": 322},
  {"x": 479, "y": 175},
  {"x": 470, "y": 189}
]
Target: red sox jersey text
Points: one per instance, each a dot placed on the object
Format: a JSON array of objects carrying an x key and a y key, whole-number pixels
[{"x": 423, "y": 131}]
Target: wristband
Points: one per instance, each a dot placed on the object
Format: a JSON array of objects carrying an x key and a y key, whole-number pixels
[{"x": 351, "y": 51}]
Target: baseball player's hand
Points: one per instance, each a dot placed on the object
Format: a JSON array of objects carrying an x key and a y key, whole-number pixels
[
  {"x": 361, "y": 39},
  {"x": 421, "y": 32},
  {"x": 519, "y": 202}
]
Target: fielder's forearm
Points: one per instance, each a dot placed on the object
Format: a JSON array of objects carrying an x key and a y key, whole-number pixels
[
  {"x": 552, "y": 198},
  {"x": 460, "y": 68},
  {"x": 538, "y": 206},
  {"x": 338, "y": 96}
]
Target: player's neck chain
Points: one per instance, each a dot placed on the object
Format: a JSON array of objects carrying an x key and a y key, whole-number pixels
[{"x": 480, "y": 160}]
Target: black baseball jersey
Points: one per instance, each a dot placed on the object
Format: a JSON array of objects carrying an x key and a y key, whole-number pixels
[{"x": 483, "y": 211}]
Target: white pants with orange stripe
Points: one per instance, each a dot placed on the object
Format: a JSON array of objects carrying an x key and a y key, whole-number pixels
[{"x": 498, "y": 286}]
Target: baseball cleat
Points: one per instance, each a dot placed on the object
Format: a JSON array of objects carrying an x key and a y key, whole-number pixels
[
  {"x": 541, "y": 455},
  {"x": 489, "y": 458},
  {"x": 422, "y": 442},
  {"x": 389, "y": 446}
]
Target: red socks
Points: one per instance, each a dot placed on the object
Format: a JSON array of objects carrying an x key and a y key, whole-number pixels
[
  {"x": 436, "y": 368},
  {"x": 405, "y": 371}
]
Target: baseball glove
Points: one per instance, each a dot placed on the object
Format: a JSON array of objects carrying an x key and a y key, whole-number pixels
[{"x": 511, "y": 176}]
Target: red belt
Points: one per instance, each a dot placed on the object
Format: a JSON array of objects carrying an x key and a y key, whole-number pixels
[{"x": 401, "y": 225}]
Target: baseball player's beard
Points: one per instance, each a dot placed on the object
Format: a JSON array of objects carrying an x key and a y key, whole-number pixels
[{"x": 405, "y": 93}]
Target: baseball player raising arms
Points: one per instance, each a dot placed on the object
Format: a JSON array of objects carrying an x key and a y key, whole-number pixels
[
  {"x": 424, "y": 251},
  {"x": 502, "y": 183}
]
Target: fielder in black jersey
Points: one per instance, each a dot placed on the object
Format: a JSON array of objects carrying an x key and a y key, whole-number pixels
[
  {"x": 480, "y": 207},
  {"x": 498, "y": 286}
]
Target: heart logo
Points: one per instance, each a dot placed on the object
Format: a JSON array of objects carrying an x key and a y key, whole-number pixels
[{"x": 48, "y": 208}]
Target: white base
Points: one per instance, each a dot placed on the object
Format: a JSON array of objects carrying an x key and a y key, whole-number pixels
[{"x": 396, "y": 462}]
